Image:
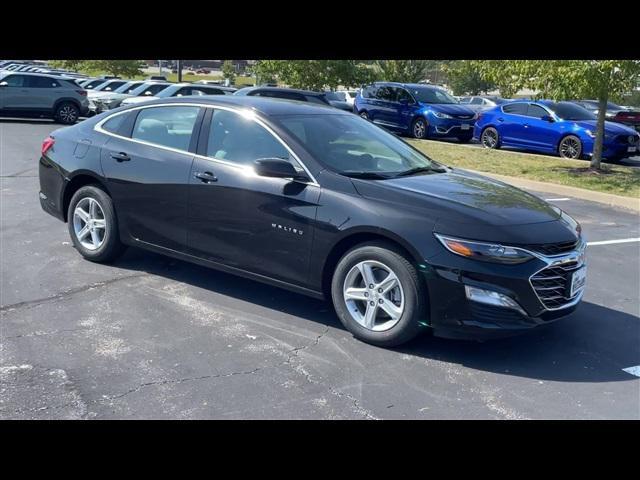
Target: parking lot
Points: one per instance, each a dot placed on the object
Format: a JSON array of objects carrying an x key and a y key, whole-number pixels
[{"x": 153, "y": 337}]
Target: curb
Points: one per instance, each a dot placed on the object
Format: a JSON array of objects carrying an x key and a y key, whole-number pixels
[{"x": 629, "y": 203}]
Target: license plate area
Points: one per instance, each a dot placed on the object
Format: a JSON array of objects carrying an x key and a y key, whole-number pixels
[
  {"x": 632, "y": 149},
  {"x": 578, "y": 280},
  {"x": 465, "y": 126}
]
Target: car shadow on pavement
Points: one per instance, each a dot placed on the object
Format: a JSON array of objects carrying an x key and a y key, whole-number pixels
[{"x": 591, "y": 345}]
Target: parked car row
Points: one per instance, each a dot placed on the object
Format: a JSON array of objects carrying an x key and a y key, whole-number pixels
[{"x": 563, "y": 128}]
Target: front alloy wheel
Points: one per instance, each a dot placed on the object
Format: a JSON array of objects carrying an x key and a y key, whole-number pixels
[
  {"x": 570, "y": 147},
  {"x": 419, "y": 129},
  {"x": 373, "y": 295},
  {"x": 379, "y": 295}
]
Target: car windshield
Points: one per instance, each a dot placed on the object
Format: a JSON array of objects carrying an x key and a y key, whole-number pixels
[
  {"x": 431, "y": 95},
  {"x": 570, "y": 111},
  {"x": 336, "y": 96},
  {"x": 355, "y": 147}
]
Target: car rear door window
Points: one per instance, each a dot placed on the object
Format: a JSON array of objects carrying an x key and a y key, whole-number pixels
[
  {"x": 114, "y": 123},
  {"x": 166, "y": 126},
  {"x": 228, "y": 136},
  {"x": 42, "y": 82},
  {"x": 15, "y": 81},
  {"x": 515, "y": 108}
]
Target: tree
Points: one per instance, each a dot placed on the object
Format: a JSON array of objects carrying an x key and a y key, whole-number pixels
[
  {"x": 569, "y": 79},
  {"x": 465, "y": 78},
  {"x": 229, "y": 71},
  {"x": 313, "y": 74},
  {"x": 124, "y": 68},
  {"x": 404, "y": 71}
]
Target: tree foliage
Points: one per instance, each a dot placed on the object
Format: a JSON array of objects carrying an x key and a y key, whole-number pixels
[
  {"x": 404, "y": 71},
  {"x": 313, "y": 74},
  {"x": 123, "y": 68},
  {"x": 229, "y": 71},
  {"x": 466, "y": 78}
]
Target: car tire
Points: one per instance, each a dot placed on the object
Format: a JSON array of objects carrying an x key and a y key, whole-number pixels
[
  {"x": 408, "y": 299},
  {"x": 490, "y": 138},
  {"x": 364, "y": 114},
  {"x": 570, "y": 147},
  {"x": 419, "y": 128},
  {"x": 67, "y": 113},
  {"x": 94, "y": 232}
]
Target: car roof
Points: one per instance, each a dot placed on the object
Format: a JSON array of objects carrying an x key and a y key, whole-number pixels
[
  {"x": 265, "y": 105},
  {"x": 281, "y": 89},
  {"x": 409, "y": 85}
]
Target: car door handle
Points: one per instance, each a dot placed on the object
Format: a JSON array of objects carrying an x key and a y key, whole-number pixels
[
  {"x": 120, "y": 157},
  {"x": 206, "y": 177},
  {"x": 526, "y": 125}
]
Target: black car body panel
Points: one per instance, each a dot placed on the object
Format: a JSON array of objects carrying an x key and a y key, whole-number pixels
[{"x": 291, "y": 233}]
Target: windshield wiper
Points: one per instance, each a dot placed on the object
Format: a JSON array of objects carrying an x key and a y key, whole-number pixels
[
  {"x": 413, "y": 171},
  {"x": 369, "y": 175}
]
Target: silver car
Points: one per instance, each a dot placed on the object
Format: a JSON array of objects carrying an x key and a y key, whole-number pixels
[{"x": 39, "y": 95}]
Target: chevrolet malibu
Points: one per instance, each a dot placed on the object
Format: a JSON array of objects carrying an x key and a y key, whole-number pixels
[{"x": 319, "y": 201}]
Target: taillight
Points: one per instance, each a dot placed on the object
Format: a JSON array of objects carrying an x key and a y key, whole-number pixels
[
  {"x": 47, "y": 144},
  {"x": 82, "y": 92}
]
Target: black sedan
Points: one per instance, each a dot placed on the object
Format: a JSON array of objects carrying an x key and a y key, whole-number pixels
[
  {"x": 614, "y": 113},
  {"x": 320, "y": 201}
]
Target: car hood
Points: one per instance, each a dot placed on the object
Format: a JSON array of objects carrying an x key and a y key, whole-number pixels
[
  {"x": 449, "y": 108},
  {"x": 610, "y": 128},
  {"x": 464, "y": 197},
  {"x": 483, "y": 208}
]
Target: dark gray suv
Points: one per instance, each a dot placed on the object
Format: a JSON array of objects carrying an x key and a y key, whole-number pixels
[{"x": 37, "y": 95}]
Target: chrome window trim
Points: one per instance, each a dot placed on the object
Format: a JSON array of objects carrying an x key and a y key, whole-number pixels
[
  {"x": 240, "y": 111},
  {"x": 551, "y": 114}
]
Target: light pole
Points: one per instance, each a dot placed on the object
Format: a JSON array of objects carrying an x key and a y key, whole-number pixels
[{"x": 179, "y": 67}]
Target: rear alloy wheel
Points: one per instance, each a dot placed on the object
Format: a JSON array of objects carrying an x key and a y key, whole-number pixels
[
  {"x": 67, "y": 113},
  {"x": 378, "y": 294},
  {"x": 490, "y": 138},
  {"x": 570, "y": 147},
  {"x": 93, "y": 226},
  {"x": 419, "y": 128}
]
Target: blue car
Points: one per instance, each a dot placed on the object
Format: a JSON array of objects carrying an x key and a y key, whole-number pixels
[
  {"x": 560, "y": 128},
  {"x": 422, "y": 111}
]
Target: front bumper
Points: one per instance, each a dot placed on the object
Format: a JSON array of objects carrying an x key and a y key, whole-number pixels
[
  {"x": 450, "y": 127},
  {"x": 454, "y": 315}
]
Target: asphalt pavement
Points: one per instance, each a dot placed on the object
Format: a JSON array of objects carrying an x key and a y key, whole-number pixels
[{"x": 153, "y": 337}]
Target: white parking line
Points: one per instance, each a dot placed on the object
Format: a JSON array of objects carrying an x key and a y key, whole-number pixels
[
  {"x": 610, "y": 242},
  {"x": 556, "y": 199},
  {"x": 633, "y": 370}
]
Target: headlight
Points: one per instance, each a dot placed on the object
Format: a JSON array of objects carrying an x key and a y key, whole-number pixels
[
  {"x": 442, "y": 115},
  {"x": 486, "y": 252}
]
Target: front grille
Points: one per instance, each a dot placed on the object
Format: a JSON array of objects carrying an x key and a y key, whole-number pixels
[
  {"x": 553, "y": 285},
  {"x": 552, "y": 248},
  {"x": 463, "y": 117}
]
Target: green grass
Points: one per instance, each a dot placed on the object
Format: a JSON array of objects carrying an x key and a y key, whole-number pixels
[{"x": 619, "y": 180}]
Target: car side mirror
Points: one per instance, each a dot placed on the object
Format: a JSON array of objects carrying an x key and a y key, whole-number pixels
[
  {"x": 277, "y": 168},
  {"x": 548, "y": 118}
]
